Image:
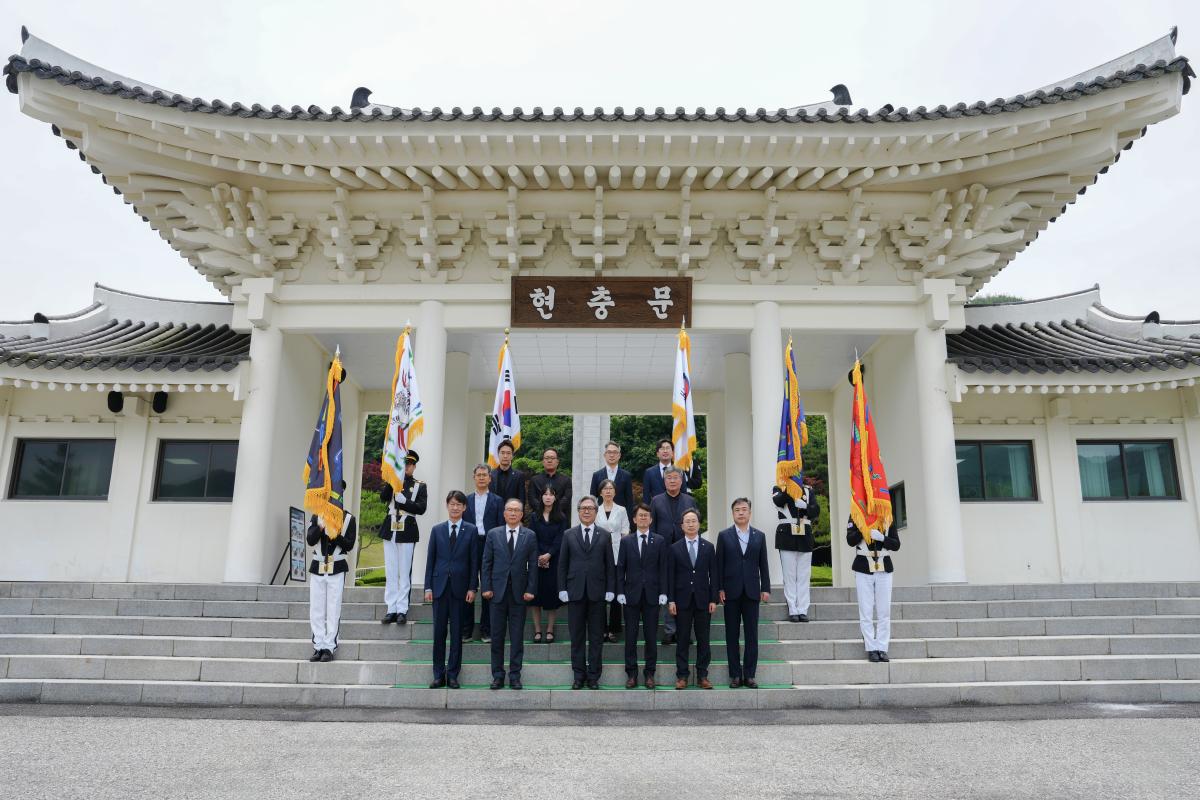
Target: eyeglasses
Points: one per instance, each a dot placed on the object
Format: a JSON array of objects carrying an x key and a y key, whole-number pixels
[{"x": 587, "y": 508}]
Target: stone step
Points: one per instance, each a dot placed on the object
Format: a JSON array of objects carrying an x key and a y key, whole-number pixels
[
  {"x": 810, "y": 672},
  {"x": 821, "y": 594},
  {"x": 174, "y": 693},
  {"x": 932, "y": 610},
  {"x": 421, "y": 650},
  {"x": 68, "y": 624}
]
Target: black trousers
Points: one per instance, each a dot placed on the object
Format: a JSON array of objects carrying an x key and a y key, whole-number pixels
[
  {"x": 447, "y": 611},
  {"x": 647, "y": 615},
  {"x": 508, "y": 617},
  {"x": 485, "y": 605},
  {"x": 739, "y": 612},
  {"x": 614, "y": 617},
  {"x": 585, "y": 621},
  {"x": 688, "y": 621}
]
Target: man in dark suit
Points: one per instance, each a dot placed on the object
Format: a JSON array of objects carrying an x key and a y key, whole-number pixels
[
  {"x": 550, "y": 476},
  {"x": 451, "y": 573},
  {"x": 743, "y": 582},
  {"x": 612, "y": 471},
  {"x": 692, "y": 598},
  {"x": 654, "y": 478},
  {"x": 509, "y": 582},
  {"x": 641, "y": 589},
  {"x": 507, "y": 481},
  {"x": 485, "y": 510},
  {"x": 666, "y": 516},
  {"x": 400, "y": 535},
  {"x": 586, "y": 580}
]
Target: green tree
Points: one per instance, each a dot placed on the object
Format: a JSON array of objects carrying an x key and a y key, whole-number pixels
[{"x": 995, "y": 299}]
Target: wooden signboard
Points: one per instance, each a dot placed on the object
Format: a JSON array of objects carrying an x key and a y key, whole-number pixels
[{"x": 602, "y": 302}]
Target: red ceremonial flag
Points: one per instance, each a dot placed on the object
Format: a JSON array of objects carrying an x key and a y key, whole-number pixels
[{"x": 870, "y": 499}]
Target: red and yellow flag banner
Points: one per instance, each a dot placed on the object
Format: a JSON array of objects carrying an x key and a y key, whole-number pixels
[{"x": 870, "y": 499}]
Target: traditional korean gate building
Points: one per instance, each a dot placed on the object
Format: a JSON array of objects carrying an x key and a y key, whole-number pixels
[{"x": 847, "y": 229}]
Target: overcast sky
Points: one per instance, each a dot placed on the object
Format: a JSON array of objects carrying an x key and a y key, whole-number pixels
[{"x": 63, "y": 230}]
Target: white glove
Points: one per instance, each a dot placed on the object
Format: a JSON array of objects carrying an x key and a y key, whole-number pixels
[
  {"x": 562, "y": 596},
  {"x": 608, "y": 597},
  {"x": 662, "y": 599},
  {"x": 621, "y": 599},
  {"x": 876, "y": 536},
  {"x": 801, "y": 504},
  {"x": 321, "y": 523}
]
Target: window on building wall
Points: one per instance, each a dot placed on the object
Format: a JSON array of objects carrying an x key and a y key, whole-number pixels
[
  {"x": 77, "y": 469},
  {"x": 195, "y": 470},
  {"x": 995, "y": 471},
  {"x": 1128, "y": 470},
  {"x": 899, "y": 505}
]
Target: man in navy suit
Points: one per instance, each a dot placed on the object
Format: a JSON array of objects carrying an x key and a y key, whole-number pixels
[
  {"x": 586, "y": 581},
  {"x": 510, "y": 581},
  {"x": 622, "y": 480},
  {"x": 450, "y": 584},
  {"x": 485, "y": 510},
  {"x": 654, "y": 478},
  {"x": 641, "y": 589},
  {"x": 692, "y": 598},
  {"x": 743, "y": 582},
  {"x": 666, "y": 518}
]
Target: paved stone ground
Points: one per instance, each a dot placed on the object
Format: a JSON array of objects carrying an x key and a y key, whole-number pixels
[{"x": 1067, "y": 752}]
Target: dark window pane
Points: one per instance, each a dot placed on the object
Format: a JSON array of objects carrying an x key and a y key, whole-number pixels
[
  {"x": 970, "y": 480},
  {"x": 40, "y": 471},
  {"x": 184, "y": 470},
  {"x": 89, "y": 467},
  {"x": 1008, "y": 471},
  {"x": 221, "y": 469},
  {"x": 1100, "y": 473},
  {"x": 1150, "y": 469}
]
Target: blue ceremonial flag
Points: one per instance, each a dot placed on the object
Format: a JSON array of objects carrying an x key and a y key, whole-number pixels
[
  {"x": 793, "y": 432},
  {"x": 323, "y": 469}
]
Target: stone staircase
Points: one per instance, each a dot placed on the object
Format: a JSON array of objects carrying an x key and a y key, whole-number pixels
[{"x": 228, "y": 645}]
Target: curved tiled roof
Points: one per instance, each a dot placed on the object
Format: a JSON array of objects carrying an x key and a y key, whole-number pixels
[
  {"x": 132, "y": 345},
  {"x": 18, "y": 64},
  {"x": 1060, "y": 347}
]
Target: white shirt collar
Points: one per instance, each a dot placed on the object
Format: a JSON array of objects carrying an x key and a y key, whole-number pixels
[{"x": 741, "y": 532}]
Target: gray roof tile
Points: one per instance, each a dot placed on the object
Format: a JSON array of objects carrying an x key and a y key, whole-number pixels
[{"x": 134, "y": 346}]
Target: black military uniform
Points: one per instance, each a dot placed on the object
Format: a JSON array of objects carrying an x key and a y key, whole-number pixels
[
  {"x": 400, "y": 534},
  {"x": 795, "y": 542}
]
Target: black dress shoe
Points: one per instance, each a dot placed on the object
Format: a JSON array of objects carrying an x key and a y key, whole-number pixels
[
  {"x": 401, "y": 619},
  {"x": 735, "y": 683},
  {"x": 326, "y": 656},
  {"x": 873, "y": 656},
  {"x": 438, "y": 683},
  {"x": 576, "y": 684},
  {"x": 793, "y": 617},
  {"x": 593, "y": 684},
  {"x": 802, "y": 618},
  {"x": 750, "y": 683},
  {"x": 515, "y": 683},
  {"x": 388, "y": 618},
  {"x": 316, "y": 656},
  {"x": 453, "y": 684},
  {"x": 883, "y": 656},
  {"x": 497, "y": 684}
]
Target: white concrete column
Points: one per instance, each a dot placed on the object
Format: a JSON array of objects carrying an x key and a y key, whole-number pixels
[
  {"x": 252, "y": 539},
  {"x": 715, "y": 444},
  {"x": 479, "y": 404},
  {"x": 353, "y": 431},
  {"x": 125, "y": 488},
  {"x": 589, "y": 432},
  {"x": 766, "y": 377},
  {"x": 1191, "y": 442},
  {"x": 1064, "y": 489},
  {"x": 6, "y": 401},
  {"x": 430, "y": 355},
  {"x": 938, "y": 482},
  {"x": 837, "y": 431},
  {"x": 454, "y": 434},
  {"x": 739, "y": 477}
]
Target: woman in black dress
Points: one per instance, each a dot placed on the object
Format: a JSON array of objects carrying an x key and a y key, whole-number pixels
[{"x": 549, "y": 525}]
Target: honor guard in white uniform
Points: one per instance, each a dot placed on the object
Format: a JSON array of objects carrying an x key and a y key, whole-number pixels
[
  {"x": 400, "y": 535},
  {"x": 873, "y": 581},
  {"x": 327, "y": 579},
  {"x": 794, "y": 541}
]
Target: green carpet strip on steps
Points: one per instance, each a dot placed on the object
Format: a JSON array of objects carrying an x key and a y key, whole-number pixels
[{"x": 603, "y": 687}]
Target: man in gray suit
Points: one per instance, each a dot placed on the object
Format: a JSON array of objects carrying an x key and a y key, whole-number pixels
[
  {"x": 587, "y": 580},
  {"x": 509, "y": 581}
]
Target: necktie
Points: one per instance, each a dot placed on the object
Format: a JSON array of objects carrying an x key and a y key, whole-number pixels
[
  {"x": 692, "y": 551},
  {"x": 511, "y": 541},
  {"x": 587, "y": 537},
  {"x": 642, "y": 549},
  {"x": 453, "y": 534}
]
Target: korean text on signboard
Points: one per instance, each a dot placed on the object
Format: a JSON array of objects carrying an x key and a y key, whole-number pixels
[{"x": 548, "y": 302}]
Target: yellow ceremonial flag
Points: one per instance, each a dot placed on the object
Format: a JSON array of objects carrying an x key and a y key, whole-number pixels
[{"x": 683, "y": 429}]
